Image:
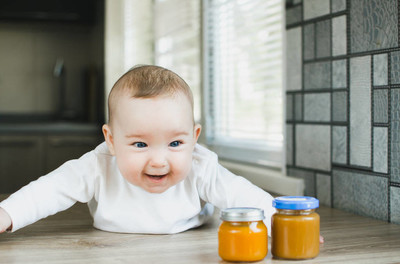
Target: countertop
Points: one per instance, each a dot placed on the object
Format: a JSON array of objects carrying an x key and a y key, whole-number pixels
[
  {"x": 68, "y": 237},
  {"x": 49, "y": 128}
]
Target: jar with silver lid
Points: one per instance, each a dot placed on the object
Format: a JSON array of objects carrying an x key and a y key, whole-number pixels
[{"x": 242, "y": 235}]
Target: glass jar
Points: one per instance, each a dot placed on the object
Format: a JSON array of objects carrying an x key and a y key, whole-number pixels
[
  {"x": 242, "y": 235},
  {"x": 295, "y": 227}
]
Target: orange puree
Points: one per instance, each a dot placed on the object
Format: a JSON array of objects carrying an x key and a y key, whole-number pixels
[
  {"x": 243, "y": 241},
  {"x": 295, "y": 234}
]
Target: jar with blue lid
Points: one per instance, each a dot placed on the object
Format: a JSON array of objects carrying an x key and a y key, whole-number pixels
[{"x": 295, "y": 227}]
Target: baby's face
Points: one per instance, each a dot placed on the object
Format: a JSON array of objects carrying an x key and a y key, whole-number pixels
[{"x": 153, "y": 140}]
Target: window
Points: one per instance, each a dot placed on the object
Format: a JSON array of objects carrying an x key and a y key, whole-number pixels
[
  {"x": 178, "y": 42},
  {"x": 243, "y": 71}
]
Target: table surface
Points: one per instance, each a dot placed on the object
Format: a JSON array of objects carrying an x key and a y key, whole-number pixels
[{"x": 68, "y": 237}]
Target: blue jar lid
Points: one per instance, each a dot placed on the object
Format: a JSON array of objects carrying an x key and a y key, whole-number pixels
[{"x": 295, "y": 202}]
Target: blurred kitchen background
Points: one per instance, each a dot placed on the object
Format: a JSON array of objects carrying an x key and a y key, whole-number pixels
[
  {"x": 298, "y": 96},
  {"x": 51, "y": 85},
  {"x": 52, "y": 60}
]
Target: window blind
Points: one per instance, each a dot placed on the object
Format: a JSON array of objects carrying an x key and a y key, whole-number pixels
[
  {"x": 243, "y": 49},
  {"x": 137, "y": 40},
  {"x": 178, "y": 42}
]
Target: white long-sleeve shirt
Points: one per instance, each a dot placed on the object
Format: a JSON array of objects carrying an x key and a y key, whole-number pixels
[{"x": 118, "y": 206}]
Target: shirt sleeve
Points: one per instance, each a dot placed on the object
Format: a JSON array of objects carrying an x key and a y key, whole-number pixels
[
  {"x": 220, "y": 187},
  {"x": 57, "y": 191}
]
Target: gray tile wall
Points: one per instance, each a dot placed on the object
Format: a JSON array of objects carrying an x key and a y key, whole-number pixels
[
  {"x": 373, "y": 25},
  {"x": 360, "y": 111},
  {"x": 343, "y": 129}
]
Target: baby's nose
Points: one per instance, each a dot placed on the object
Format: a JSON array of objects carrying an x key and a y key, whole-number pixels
[{"x": 158, "y": 159}]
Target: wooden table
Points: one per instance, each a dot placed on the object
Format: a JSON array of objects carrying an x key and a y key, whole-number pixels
[{"x": 69, "y": 237}]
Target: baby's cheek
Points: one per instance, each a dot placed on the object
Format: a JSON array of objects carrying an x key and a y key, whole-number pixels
[
  {"x": 128, "y": 168},
  {"x": 182, "y": 165}
]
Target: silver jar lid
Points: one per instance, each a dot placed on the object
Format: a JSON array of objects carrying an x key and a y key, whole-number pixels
[{"x": 242, "y": 214}]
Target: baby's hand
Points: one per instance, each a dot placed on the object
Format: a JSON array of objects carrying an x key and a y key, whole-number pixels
[
  {"x": 321, "y": 239},
  {"x": 5, "y": 221}
]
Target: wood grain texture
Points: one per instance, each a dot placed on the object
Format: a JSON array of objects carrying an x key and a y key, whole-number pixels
[{"x": 69, "y": 237}]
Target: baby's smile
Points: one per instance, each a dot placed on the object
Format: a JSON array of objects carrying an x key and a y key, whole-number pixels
[{"x": 157, "y": 177}]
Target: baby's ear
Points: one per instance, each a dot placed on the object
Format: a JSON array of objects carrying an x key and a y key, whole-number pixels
[
  {"x": 197, "y": 131},
  {"x": 108, "y": 138}
]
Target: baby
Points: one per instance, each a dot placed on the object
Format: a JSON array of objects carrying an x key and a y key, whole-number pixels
[{"x": 149, "y": 176}]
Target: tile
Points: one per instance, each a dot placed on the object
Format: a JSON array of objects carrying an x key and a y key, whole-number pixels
[
  {"x": 360, "y": 193},
  {"x": 289, "y": 107},
  {"x": 307, "y": 176},
  {"x": 293, "y": 15},
  {"x": 373, "y": 25},
  {"x": 360, "y": 111},
  {"x": 323, "y": 186},
  {"x": 381, "y": 106},
  {"x": 339, "y": 106},
  {"x": 313, "y": 146},
  {"x": 395, "y": 65},
  {"x": 317, "y": 107},
  {"x": 380, "y": 156},
  {"x": 395, "y": 205},
  {"x": 317, "y": 75},
  {"x": 339, "y": 74},
  {"x": 294, "y": 59},
  {"x": 289, "y": 144},
  {"x": 315, "y": 8},
  {"x": 323, "y": 38},
  {"x": 339, "y": 144},
  {"x": 298, "y": 107},
  {"x": 309, "y": 41},
  {"x": 338, "y": 5},
  {"x": 395, "y": 136},
  {"x": 380, "y": 69},
  {"x": 339, "y": 36}
]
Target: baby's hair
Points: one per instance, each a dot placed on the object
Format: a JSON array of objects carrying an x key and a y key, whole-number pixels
[{"x": 147, "y": 81}]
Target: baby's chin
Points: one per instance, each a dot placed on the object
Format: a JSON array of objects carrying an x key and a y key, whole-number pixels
[{"x": 158, "y": 189}]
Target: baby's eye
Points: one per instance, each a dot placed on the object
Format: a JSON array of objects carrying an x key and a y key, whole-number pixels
[
  {"x": 175, "y": 143},
  {"x": 140, "y": 144}
]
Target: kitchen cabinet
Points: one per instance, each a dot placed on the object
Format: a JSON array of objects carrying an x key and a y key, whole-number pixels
[
  {"x": 28, "y": 152},
  {"x": 21, "y": 161},
  {"x": 60, "y": 149},
  {"x": 66, "y": 11}
]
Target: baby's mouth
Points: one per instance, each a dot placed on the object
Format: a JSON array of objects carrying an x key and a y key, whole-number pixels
[{"x": 156, "y": 177}]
